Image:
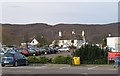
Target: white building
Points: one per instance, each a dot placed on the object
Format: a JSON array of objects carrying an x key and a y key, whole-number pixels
[
  {"x": 70, "y": 39},
  {"x": 65, "y": 41},
  {"x": 34, "y": 42},
  {"x": 114, "y": 43},
  {"x": 77, "y": 43}
]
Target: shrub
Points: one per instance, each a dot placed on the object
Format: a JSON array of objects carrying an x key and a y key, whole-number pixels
[
  {"x": 111, "y": 62},
  {"x": 43, "y": 60},
  {"x": 91, "y": 54},
  {"x": 62, "y": 60},
  {"x": 33, "y": 59}
]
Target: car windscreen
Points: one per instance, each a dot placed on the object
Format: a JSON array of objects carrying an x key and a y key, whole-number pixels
[{"x": 8, "y": 55}]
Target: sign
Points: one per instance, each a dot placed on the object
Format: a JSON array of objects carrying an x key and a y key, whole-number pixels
[{"x": 112, "y": 55}]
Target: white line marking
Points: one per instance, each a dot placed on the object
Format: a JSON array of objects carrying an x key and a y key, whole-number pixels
[
  {"x": 92, "y": 68},
  {"x": 63, "y": 67},
  {"x": 112, "y": 69},
  {"x": 42, "y": 67},
  {"x": 84, "y": 73},
  {"x": 36, "y": 67}
]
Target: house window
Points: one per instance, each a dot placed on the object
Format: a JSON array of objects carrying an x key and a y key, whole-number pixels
[
  {"x": 72, "y": 41},
  {"x": 63, "y": 41}
]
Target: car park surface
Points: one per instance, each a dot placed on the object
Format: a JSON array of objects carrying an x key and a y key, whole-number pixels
[{"x": 61, "y": 69}]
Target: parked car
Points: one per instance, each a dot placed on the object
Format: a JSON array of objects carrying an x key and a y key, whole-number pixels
[
  {"x": 12, "y": 51},
  {"x": 1, "y": 53},
  {"x": 117, "y": 61},
  {"x": 24, "y": 51},
  {"x": 32, "y": 51},
  {"x": 52, "y": 50},
  {"x": 13, "y": 59},
  {"x": 47, "y": 50},
  {"x": 63, "y": 49},
  {"x": 37, "y": 50},
  {"x": 42, "y": 50}
]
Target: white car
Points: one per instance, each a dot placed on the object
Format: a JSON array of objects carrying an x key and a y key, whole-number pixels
[
  {"x": 64, "y": 49},
  {"x": 1, "y": 53}
]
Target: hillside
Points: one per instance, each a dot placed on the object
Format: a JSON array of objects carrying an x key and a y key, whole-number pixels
[{"x": 15, "y": 34}]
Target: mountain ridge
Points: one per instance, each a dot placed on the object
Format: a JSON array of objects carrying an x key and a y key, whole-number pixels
[{"x": 14, "y": 33}]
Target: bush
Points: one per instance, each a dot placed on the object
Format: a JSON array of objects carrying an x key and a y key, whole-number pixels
[
  {"x": 62, "y": 60},
  {"x": 43, "y": 60},
  {"x": 111, "y": 62},
  {"x": 32, "y": 59},
  {"x": 57, "y": 60},
  {"x": 91, "y": 54}
]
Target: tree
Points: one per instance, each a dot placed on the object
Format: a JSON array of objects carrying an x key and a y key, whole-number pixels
[
  {"x": 42, "y": 40},
  {"x": 26, "y": 39},
  {"x": 90, "y": 53}
]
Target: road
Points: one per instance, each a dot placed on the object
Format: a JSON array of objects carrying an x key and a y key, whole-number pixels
[
  {"x": 57, "y": 54},
  {"x": 60, "y": 69}
]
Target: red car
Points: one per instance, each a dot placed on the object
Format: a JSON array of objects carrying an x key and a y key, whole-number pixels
[{"x": 24, "y": 51}]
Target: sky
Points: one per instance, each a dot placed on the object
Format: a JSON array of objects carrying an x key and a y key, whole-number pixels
[{"x": 74, "y": 12}]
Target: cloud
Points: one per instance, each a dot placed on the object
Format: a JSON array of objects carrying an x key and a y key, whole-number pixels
[{"x": 59, "y": 0}]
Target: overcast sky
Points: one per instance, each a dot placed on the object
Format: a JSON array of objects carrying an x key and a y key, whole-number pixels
[{"x": 60, "y": 12}]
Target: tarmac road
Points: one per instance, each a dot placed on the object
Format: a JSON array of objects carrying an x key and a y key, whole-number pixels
[
  {"x": 60, "y": 69},
  {"x": 57, "y": 54}
]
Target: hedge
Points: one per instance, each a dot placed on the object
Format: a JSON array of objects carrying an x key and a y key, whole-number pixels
[
  {"x": 91, "y": 54},
  {"x": 56, "y": 60},
  {"x": 62, "y": 60},
  {"x": 33, "y": 59}
]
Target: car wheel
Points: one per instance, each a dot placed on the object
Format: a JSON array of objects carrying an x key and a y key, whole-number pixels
[
  {"x": 68, "y": 51},
  {"x": 2, "y": 65},
  {"x": 59, "y": 51},
  {"x": 26, "y": 63},
  {"x": 16, "y": 64}
]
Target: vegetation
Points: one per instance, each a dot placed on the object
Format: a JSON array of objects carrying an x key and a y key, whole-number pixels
[
  {"x": 43, "y": 60},
  {"x": 92, "y": 54},
  {"x": 57, "y": 60},
  {"x": 42, "y": 40},
  {"x": 33, "y": 59},
  {"x": 62, "y": 60}
]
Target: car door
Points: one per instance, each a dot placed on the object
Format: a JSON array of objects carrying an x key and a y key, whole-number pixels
[
  {"x": 22, "y": 59},
  {"x": 17, "y": 58}
]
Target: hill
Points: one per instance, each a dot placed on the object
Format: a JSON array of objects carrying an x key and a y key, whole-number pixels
[{"x": 15, "y": 34}]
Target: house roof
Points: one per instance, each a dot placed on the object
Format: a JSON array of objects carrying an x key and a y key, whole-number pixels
[{"x": 71, "y": 37}]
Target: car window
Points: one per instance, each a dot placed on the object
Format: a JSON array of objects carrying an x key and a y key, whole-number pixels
[
  {"x": 20, "y": 55},
  {"x": 8, "y": 55},
  {"x": 16, "y": 56}
]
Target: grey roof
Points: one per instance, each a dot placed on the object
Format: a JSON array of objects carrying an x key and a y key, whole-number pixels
[{"x": 71, "y": 37}]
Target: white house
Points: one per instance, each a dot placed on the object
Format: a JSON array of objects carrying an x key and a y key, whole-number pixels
[
  {"x": 34, "y": 42},
  {"x": 76, "y": 43},
  {"x": 114, "y": 43},
  {"x": 68, "y": 40}
]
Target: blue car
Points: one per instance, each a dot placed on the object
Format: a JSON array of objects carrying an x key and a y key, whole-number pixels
[
  {"x": 117, "y": 61},
  {"x": 13, "y": 59}
]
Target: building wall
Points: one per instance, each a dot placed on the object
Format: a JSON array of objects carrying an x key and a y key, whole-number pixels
[
  {"x": 77, "y": 43},
  {"x": 114, "y": 42}
]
